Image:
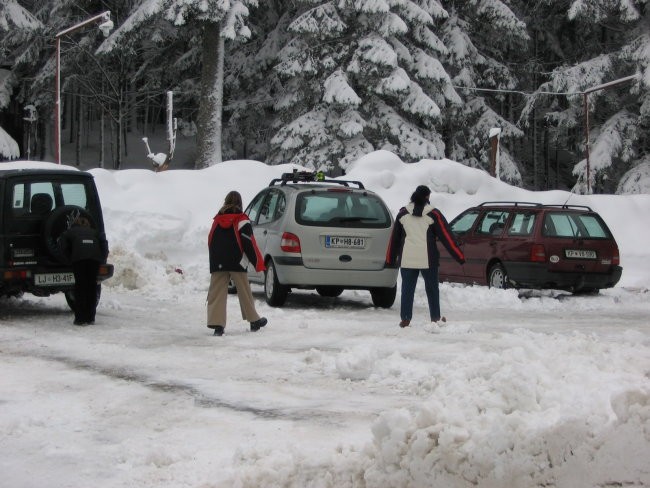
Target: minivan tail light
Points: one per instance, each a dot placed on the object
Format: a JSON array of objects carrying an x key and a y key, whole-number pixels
[
  {"x": 290, "y": 242},
  {"x": 538, "y": 253}
]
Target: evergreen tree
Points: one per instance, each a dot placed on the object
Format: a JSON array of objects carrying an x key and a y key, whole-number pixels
[
  {"x": 485, "y": 38},
  {"x": 360, "y": 76},
  {"x": 599, "y": 41}
]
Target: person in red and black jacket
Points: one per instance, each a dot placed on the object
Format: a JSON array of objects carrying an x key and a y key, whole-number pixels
[
  {"x": 413, "y": 248},
  {"x": 232, "y": 247}
]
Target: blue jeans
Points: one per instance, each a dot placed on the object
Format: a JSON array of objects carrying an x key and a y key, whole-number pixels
[{"x": 409, "y": 280}]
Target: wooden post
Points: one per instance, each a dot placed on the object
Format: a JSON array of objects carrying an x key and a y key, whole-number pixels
[{"x": 494, "y": 152}]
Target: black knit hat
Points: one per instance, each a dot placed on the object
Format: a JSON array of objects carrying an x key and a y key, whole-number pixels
[{"x": 421, "y": 195}]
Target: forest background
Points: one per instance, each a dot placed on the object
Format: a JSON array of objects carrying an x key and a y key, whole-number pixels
[{"x": 321, "y": 83}]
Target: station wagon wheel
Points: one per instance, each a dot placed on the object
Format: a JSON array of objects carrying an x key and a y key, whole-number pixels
[
  {"x": 70, "y": 298},
  {"x": 497, "y": 277},
  {"x": 274, "y": 291},
  {"x": 329, "y": 291}
]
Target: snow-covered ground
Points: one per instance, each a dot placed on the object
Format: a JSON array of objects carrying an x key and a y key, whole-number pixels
[{"x": 537, "y": 389}]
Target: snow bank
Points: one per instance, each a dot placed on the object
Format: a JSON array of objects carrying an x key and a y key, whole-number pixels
[
  {"x": 157, "y": 223},
  {"x": 540, "y": 412}
]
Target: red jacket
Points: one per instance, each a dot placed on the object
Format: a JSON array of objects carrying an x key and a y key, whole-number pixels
[{"x": 232, "y": 244}]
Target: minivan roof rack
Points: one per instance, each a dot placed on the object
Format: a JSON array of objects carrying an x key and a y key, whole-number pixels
[
  {"x": 311, "y": 177},
  {"x": 533, "y": 204}
]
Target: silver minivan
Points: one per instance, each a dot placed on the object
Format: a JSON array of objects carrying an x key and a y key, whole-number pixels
[{"x": 322, "y": 234}]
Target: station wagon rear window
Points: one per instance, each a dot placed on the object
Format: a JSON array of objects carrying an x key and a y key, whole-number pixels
[{"x": 575, "y": 225}]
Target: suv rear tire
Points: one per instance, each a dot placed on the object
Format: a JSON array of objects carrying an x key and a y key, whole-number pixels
[
  {"x": 274, "y": 291},
  {"x": 383, "y": 297}
]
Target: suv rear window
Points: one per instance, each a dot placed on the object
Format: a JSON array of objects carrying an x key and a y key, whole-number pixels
[
  {"x": 583, "y": 225},
  {"x": 341, "y": 209},
  {"x": 38, "y": 198}
]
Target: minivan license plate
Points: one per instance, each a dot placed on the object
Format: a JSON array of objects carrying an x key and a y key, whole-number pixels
[
  {"x": 53, "y": 279},
  {"x": 580, "y": 254},
  {"x": 345, "y": 242}
]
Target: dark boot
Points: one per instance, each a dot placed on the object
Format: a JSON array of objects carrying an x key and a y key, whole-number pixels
[
  {"x": 258, "y": 324},
  {"x": 218, "y": 330}
]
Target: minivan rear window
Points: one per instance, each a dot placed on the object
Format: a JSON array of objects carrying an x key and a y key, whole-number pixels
[
  {"x": 580, "y": 225},
  {"x": 341, "y": 209}
]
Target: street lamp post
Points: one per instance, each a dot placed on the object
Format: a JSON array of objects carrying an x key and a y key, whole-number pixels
[{"x": 105, "y": 26}]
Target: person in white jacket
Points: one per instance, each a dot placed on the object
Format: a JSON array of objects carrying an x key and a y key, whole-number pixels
[{"x": 413, "y": 248}]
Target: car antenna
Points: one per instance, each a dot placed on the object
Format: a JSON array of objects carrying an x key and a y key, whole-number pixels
[{"x": 567, "y": 200}]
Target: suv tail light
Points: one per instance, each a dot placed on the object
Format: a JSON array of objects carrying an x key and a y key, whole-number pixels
[
  {"x": 290, "y": 242},
  {"x": 538, "y": 253}
]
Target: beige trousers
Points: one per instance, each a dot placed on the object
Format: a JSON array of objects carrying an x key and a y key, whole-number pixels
[{"x": 218, "y": 295}]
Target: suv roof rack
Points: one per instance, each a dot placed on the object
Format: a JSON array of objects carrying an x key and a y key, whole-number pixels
[
  {"x": 532, "y": 204},
  {"x": 311, "y": 177}
]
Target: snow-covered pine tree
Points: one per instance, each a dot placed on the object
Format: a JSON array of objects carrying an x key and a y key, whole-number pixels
[
  {"x": 600, "y": 41},
  {"x": 358, "y": 76},
  {"x": 17, "y": 26},
  {"x": 252, "y": 85},
  {"x": 482, "y": 35}
]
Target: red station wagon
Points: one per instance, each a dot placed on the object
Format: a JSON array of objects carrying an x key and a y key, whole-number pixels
[{"x": 530, "y": 245}]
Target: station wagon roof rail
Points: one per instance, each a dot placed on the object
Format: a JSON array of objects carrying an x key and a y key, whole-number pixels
[
  {"x": 311, "y": 177},
  {"x": 533, "y": 204}
]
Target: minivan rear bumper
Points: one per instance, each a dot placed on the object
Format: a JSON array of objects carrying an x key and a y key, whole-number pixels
[
  {"x": 536, "y": 275},
  {"x": 298, "y": 275}
]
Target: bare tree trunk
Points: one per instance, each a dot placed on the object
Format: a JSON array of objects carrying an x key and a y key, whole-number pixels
[
  {"x": 211, "y": 102},
  {"x": 102, "y": 138},
  {"x": 102, "y": 131},
  {"x": 72, "y": 113},
  {"x": 79, "y": 117}
]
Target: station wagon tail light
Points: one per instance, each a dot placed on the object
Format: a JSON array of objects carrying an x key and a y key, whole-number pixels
[
  {"x": 290, "y": 242},
  {"x": 616, "y": 257},
  {"x": 537, "y": 253}
]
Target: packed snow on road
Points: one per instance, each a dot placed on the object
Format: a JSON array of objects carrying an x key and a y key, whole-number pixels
[{"x": 519, "y": 388}]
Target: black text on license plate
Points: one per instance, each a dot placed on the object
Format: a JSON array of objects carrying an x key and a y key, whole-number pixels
[
  {"x": 345, "y": 241},
  {"x": 580, "y": 254},
  {"x": 53, "y": 279}
]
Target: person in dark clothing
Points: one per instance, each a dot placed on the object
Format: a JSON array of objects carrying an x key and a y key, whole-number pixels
[
  {"x": 83, "y": 247},
  {"x": 413, "y": 248},
  {"x": 232, "y": 247}
]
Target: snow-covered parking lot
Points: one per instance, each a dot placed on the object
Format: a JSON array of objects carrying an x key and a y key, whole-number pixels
[
  {"x": 551, "y": 390},
  {"x": 530, "y": 389}
]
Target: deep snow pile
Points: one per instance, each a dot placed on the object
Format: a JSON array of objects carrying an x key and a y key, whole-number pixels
[{"x": 157, "y": 223}]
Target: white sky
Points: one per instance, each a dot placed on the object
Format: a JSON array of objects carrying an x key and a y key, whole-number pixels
[{"x": 547, "y": 389}]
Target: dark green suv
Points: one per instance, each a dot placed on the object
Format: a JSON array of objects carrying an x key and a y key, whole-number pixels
[{"x": 36, "y": 206}]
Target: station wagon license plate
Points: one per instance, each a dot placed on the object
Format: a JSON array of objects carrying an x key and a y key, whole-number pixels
[
  {"x": 580, "y": 254},
  {"x": 53, "y": 279},
  {"x": 347, "y": 242}
]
